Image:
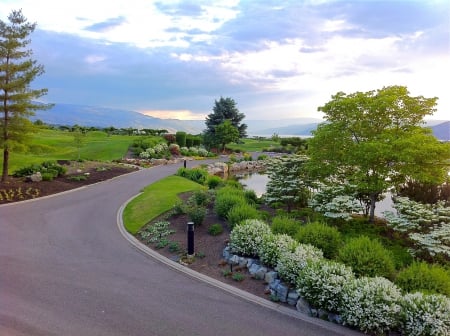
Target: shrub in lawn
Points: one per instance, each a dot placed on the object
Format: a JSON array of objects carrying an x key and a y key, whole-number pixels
[
  {"x": 367, "y": 257},
  {"x": 322, "y": 236},
  {"x": 215, "y": 229},
  {"x": 290, "y": 263},
  {"x": 198, "y": 175},
  {"x": 213, "y": 181},
  {"x": 246, "y": 238},
  {"x": 321, "y": 283},
  {"x": 200, "y": 197},
  {"x": 371, "y": 304},
  {"x": 273, "y": 245},
  {"x": 224, "y": 203},
  {"x": 241, "y": 212},
  {"x": 285, "y": 224},
  {"x": 425, "y": 315},
  {"x": 196, "y": 214},
  {"x": 424, "y": 277}
]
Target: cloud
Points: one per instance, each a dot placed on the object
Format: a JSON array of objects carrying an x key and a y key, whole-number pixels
[{"x": 106, "y": 25}]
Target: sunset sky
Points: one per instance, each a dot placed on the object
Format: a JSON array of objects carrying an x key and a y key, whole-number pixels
[{"x": 276, "y": 59}]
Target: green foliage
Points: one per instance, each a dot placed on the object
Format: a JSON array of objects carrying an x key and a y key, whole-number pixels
[
  {"x": 285, "y": 224},
  {"x": 196, "y": 214},
  {"x": 246, "y": 238},
  {"x": 237, "y": 276},
  {"x": 225, "y": 133},
  {"x": 273, "y": 245},
  {"x": 49, "y": 167},
  {"x": 250, "y": 196},
  {"x": 240, "y": 212},
  {"x": 198, "y": 175},
  {"x": 227, "y": 198},
  {"x": 78, "y": 177},
  {"x": 322, "y": 236},
  {"x": 421, "y": 276},
  {"x": 47, "y": 176},
  {"x": 181, "y": 138},
  {"x": 200, "y": 197},
  {"x": 213, "y": 181},
  {"x": 215, "y": 229},
  {"x": 367, "y": 257}
]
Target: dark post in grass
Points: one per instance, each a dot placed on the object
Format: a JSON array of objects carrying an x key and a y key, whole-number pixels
[
  {"x": 184, "y": 163},
  {"x": 190, "y": 239}
]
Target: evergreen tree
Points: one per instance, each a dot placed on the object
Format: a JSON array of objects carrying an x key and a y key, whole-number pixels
[{"x": 17, "y": 71}]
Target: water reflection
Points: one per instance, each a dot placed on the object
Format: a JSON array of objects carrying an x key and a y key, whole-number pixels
[{"x": 254, "y": 181}]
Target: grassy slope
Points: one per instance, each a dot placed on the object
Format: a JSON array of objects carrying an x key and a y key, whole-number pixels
[
  {"x": 59, "y": 145},
  {"x": 156, "y": 199},
  {"x": 252, "y": 145}
]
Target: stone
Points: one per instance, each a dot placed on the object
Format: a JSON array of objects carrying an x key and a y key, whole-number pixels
[
  {"x": 36, "y": 177},
  {"x": 253, "y": 269},
  {"x": 303, "y": 307},
  {"x": 250, "y": 262},
  {"x": 335, "y": 318},
  {"x": 242, "y": 262},
  {"x": 282, "y": 292},
  {"x": 226, "y": 253},
  {"x": 292, "y": 297},
  {"x": 260, "y": 273},
  {"x": 270, "y": 276},
  {"x": 234, "y": 260},
  {"x": 274, "y": 284}
]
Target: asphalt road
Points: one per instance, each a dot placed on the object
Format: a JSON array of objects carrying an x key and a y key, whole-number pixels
[{"x": 65, "y": 269}]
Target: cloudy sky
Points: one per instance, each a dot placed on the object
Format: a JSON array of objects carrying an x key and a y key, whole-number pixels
[{"x": 276, "y": 59}]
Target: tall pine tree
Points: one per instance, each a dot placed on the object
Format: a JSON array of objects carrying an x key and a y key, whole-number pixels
[{"x": 17, "y": 71}]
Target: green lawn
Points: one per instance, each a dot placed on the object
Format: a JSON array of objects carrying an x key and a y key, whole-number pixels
[
  {"x": 252, "y": 145},
  {"x": 49, "y": 144},
  {"x": 156, "y": 199}
]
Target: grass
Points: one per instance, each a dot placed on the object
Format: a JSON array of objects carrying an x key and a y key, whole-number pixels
[
  {"x": 156, "y": 199},
  {"x": 49, "y": 144},
  {"x": 253, "y": 145}
]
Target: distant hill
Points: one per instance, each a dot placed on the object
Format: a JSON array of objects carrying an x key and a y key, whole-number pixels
[{"x": 71, "y": 114}]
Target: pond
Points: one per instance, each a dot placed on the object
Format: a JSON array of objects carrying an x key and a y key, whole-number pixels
[{"x": 257, "y": 181}]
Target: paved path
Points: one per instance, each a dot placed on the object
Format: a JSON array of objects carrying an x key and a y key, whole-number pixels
[{"x": 65, "y": 269}]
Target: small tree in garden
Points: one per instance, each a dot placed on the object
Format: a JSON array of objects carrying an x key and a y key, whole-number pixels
[
  {"x": 288, "y": 182},
  {"x": 226, "y": 133},
  {"x": 374, "y": 140}
]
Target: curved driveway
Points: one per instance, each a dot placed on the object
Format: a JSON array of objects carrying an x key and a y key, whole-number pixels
[{"x": 65, "y": 269}]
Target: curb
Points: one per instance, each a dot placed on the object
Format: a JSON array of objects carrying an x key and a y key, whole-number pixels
[{"x": 223, "y": 286}]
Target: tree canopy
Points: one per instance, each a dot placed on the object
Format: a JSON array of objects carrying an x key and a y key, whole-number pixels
[
  {"x": 375, "y": 140},
  {"x": 17, "y": 71},
  {"x": 224, "y": 109}
]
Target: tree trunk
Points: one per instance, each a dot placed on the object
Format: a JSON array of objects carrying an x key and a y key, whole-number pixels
[
  {"x": 373, "y": 201},
  {"x": 5, "y": 164}
]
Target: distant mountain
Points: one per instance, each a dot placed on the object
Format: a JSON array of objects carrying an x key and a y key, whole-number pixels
[
  {"x": 296, "y": 129},
  {"x": 442, "y": 131}
]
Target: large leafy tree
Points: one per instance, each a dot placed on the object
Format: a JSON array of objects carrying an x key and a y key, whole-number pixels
[
  {"x": 17, "y": 71},
  {"x": 224, "y": 109},
  {"x": 374, "y": 140},
  {"x": 226, "y": 133}
]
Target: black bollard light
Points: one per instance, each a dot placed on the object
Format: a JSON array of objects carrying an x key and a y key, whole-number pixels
[
  {"x": 190, "y": 239},
  {"x": 184, "y": 163}
]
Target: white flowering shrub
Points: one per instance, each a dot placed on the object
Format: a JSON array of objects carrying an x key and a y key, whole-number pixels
[
  {"x": 246, "y": 238},
  {"x": 202, "y": 151},
  {"x": 273, "y": 245},
  {"x": 321, "y": 283},
  {"x": 335, "y": 202},
  {"x": 425, "y": 315},
  {"x": 290, "y": 263},
  {"x": 427, "y": 225},
  {"x": 370, "y": 304}
]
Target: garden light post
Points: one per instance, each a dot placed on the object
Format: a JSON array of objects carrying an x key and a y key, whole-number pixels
[{"x": 190, "y": 239}]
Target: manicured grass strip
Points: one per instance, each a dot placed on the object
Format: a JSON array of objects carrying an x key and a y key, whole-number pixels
[
  {"x": 252, "y": 145},
  {"x": 156, "y": 199}
]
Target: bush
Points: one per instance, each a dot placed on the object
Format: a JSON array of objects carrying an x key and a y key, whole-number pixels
[
  {"x": 291, "y": 263},
  {"x": 321, "y": 283},
  {"x": 250, "y": 196},
  {"x": 200, "y": 197},
  {"x": 322, "y": 236},
  {"x": 241, "y": 212},
  {"x": 273, "y": 245},
  {"x": 196, "y": 214},
  {"x": 367, "y": 257},
  {"x": 246, "y": 238},
  {"x": 174, "y": 149},
  {"x": 215, "y": 229},
  {"x": 181, "y": 138},
  {"x": 198, "y": 175},
  {"x": 371, "y": 304},
  {"x": 213, "y": 181},
  {"x": 47, "y": 176},
  {"x": 425, "y": 315},
  {"x": 423, "y": 277},
  {"x": 285, "y": 224},
  {"x": 224, "y": 203}
]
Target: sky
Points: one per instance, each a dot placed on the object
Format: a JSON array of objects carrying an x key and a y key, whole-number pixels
[{"x": 276, "y": 59}]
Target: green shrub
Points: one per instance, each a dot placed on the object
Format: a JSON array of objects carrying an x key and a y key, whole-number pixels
[
  {"x": 47, "y": 176},
  {"x": 240, "y": 212},
  {"x": 246, "y": 238},
  {"x": 367, "y": 257},
  {"x": 251, "y": 196},
  {"x": 181, "y": 138},
  {"x": 224, "y": 203},
  {"x": 322, "y": 236},
  {"x": 284, "y": 224},
  {"x": 424, "y": 277},
  {"x": 200, "y": 197},
  {"x": 262, "y": 157},
  {"x": 198, "y": 175},
  {"x": 196, "y": 214},
  {"x": 213, "y": 181},
  {"x": 215, "y": 229},
  {"x": 273, "y": 245}
]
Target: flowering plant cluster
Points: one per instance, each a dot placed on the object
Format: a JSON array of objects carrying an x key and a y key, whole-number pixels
[
  {"x": 425, "y": 315},
  {"x": 273, "y": 245},
  {"x": 371, "y": 304},
  {"x": 194, "y": 151},
  {"x": 246, "y": 238},
  {"x": 290, "y": 263},
  {"x": 154, "y": 152},
  {"x": 428, "y": 225},
  {"x": 335, "y": 202},
  {"x": 321, "y": 283},
  {"x": 156, "y": 232}
]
